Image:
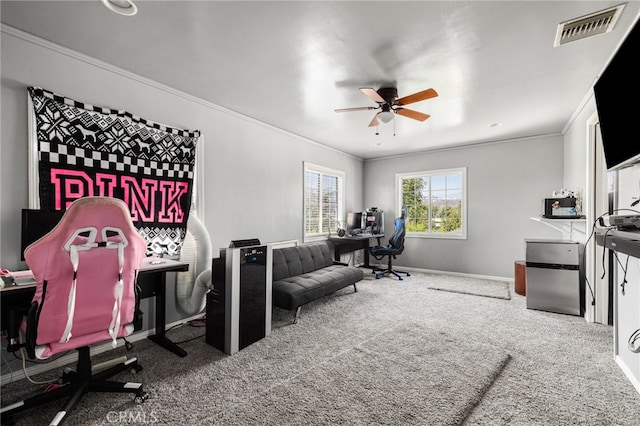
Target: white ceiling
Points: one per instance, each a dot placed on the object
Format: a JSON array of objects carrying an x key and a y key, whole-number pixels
[{"x": 291, "y": 63}]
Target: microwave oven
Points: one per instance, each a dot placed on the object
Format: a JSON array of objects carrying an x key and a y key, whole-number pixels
[{"x": 561, "y": 208}]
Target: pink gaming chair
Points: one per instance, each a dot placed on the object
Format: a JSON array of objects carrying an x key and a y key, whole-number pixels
[{"x": 85, "y": 271}]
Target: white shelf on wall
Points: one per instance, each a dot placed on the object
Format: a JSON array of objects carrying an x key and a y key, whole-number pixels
[{"x": 566, "y": 226}]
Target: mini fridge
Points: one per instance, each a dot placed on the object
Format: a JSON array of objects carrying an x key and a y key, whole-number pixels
[{"x": 554, "y": 276}]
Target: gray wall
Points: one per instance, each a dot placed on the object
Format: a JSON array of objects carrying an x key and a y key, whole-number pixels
[
  {"x": 506, "y": 183},
  {"x": 252, "y": 173}
]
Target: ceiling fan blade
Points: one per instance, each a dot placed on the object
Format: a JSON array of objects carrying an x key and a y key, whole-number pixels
[
  {"x": 374, "y": 121},
  {"x": 420, "y": 116},
  {"x": 417, "y": 97},
  {"x": 354, "y": 109},
  {"x": 373, "y": 94}
]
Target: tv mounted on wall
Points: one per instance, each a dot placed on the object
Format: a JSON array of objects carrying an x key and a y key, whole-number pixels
[{"x": 617, "y": 92}]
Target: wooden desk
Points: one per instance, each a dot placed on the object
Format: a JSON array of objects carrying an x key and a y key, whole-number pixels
[
  {"x": 353, "y": 243},
  {"x": 152, "y": 281}
]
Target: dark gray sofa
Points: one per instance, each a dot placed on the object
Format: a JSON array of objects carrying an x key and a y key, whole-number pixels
[{"x": 308, "y": 272}]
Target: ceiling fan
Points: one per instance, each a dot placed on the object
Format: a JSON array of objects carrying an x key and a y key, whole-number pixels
[{"x": 389, "y": 104}]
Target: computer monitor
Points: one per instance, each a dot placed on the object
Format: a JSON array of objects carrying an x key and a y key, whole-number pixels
[
  {"x": 374, "y": 222},
  {"x": 354, "y": 221},
  {"x": 36, "y": 224}
]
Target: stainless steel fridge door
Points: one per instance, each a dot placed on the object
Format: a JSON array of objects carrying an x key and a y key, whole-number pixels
[
  {"x": 550, "y": 252},
  {"x": 553, "y": 290}
]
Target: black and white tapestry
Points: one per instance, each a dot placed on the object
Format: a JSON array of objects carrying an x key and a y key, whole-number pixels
[{"x": 84, "y": 150}]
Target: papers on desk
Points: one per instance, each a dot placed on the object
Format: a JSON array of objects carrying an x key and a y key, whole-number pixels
[
  {"x": 18, "y": 278},
  {"x": 154, "y": 260}
]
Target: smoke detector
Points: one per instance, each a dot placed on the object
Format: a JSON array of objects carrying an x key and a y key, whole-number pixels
[{"x": 587, "y": 26}]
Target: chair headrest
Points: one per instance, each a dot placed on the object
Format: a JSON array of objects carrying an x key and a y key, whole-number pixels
[{"x": 89, "y": 220}]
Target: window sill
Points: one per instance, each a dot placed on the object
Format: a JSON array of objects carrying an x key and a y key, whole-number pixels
[
  {"x": 315, "y": 238},
  {"x": 436, "y": 236}
]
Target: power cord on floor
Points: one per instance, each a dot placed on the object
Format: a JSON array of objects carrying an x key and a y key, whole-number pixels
[
  {"x": 197, "y": 323},
  {"x": 189, "y": 340},
  {"x": 26, "y": 374}
]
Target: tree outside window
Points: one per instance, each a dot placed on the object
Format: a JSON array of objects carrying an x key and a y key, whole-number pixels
[
  {"x": 436, "y": 202},
  {"x": 323, "y": 200}
]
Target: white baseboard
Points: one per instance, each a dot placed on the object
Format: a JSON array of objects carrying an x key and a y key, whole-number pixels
[
  {"x": 459, "y": 274},
  {"x": 634, "y": 381},
  {"x": 72, "y": 358}
]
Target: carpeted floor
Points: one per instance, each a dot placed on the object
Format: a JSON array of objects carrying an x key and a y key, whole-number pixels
[
  {"x": 472, "y": 286},
  {"x": 414, "y": 375},
  {"x": 395, "y": 352}
]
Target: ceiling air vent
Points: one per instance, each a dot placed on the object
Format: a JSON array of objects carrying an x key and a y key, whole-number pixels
[{"x": 587, "y": 26}]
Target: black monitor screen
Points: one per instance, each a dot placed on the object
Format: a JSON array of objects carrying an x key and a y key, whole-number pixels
[
  {"x": 354, "y": 220},
  {"x": 36, "y": 224}
]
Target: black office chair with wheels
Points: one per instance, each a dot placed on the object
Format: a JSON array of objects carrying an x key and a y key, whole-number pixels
[{"x": 394, "y": 248}]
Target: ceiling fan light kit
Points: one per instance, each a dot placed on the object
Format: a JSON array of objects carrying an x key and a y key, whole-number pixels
[
  {"x": 385, "y": 116},
  {"x": 121, "y": 7},
  {"x": 389, "y": 104}
]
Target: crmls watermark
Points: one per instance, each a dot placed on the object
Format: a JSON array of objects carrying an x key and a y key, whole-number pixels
[{"x": 129, "y": 417}]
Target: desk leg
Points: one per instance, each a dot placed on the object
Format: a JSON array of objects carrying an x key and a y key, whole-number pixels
[
  {"x": 365, "y": 247},
  {"x": 366, "y": 254},
  {"x": 161, "y": 305}
]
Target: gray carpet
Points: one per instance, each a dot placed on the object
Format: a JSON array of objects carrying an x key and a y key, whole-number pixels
[
  {"x": 560, "y": 372},
  {"x": 414, "y": 376},
  {"x": 472, "y": 286}
]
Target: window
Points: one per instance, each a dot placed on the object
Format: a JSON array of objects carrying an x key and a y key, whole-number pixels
[
  {"x": 323, "y": 200},
  {"x": 436, "y": 201}
]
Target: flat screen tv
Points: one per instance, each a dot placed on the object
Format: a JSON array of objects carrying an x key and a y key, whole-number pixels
[{"x": 617, "y": 92}]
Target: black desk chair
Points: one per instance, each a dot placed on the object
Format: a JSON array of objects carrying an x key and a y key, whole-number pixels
[{"x": 394, "y": 248}]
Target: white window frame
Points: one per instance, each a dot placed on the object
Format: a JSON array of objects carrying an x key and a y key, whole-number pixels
[
  {"x": 431, "y": 173},
  {"x": 322, "y": 170}
]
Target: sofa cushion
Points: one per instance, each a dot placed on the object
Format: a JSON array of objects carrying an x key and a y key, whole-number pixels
[
  {"x": 292, "y": 261},
  {"x": 305, "y": 273},
  {"x": 291, "y": 292}
]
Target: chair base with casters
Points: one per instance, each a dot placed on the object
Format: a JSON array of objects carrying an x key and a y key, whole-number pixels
[
  {"x": 389, "y": 271},
  {"x": 75, "y": 384}
]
